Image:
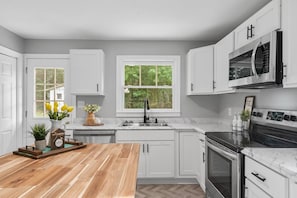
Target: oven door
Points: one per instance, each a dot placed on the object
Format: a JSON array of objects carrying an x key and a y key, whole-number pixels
[
  {"x": 254, "y": 63},
  {"x": 223, "y": 171}
]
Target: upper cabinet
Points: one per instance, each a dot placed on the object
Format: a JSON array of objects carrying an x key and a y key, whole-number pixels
[
  {"x": 87, "y": 71},
  {"x": 289, "y": 28},
  {"x": 221, "y": 64},
  {"x": 262, "y": 22},
  {"x": 200, "y": 70}
]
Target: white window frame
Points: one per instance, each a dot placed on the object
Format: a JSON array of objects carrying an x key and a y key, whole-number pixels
[{"x": 123, "y": 60}]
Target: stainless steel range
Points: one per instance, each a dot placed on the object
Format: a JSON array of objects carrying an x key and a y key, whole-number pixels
[{"x": 225, "y": 163}]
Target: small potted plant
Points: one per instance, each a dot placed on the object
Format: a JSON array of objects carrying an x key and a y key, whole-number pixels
[
  {"x": 91, "y": 109},
  {"x": 39, "y": 132},
  {"x": 245, "y": 116}
]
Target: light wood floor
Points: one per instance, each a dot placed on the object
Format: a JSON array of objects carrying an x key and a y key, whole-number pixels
[{"x": 169, "y": 191}]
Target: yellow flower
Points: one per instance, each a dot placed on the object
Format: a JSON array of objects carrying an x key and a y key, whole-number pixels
[
  {"x": 55, "y": 109},
  {"x": 64, "y": 107},
  {"x": 56, "y": 104},
  {"x": 70, "y": 108},
  {"x": 48, "y": 106}
]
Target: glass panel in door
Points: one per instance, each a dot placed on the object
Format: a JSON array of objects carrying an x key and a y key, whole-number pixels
[
  {"x": 220, "y": 172},
  {"x": 241, "y": 67}
]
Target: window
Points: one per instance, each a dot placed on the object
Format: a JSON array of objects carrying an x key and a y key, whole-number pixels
[
  {"x": 155, "y": 78},
  {"x": 48, "y": 87}
]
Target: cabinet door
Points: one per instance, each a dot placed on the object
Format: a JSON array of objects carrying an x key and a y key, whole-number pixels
[
  {"x": 262, "y": 22},
  {"x": 189, "y": 154},
  {"x": 221, "y": 64},
  {"x": 86, "y": 72},
  {"x": 289, "y": 42},
  {"x": 200, "y": 70},
  {"x": 160, "y": 159},
  {"x": 141, "y": 163},
  {"x": 253, "y": 191},
  {"x": 202, "y": 161}
]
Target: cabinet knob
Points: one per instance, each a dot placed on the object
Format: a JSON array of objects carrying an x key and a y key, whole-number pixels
[{"x": 97, "y": 87}]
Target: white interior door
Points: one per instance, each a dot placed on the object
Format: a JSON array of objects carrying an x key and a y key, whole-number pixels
[
  {"x": 47, "y": 81},
  {"x": 8, "y": 136}
]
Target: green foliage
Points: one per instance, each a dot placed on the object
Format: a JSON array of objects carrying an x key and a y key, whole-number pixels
[
  {"x": 245, "y": 115},
  {"x": 159, "y": 77},
  {"x": 39, "y": 131}
]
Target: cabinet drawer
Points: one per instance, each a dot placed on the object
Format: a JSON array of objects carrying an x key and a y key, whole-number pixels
[
  {"x": 144, "y": 135},
  {"x": 268, "y": 180}
]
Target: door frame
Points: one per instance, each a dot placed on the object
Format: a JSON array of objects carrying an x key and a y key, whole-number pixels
[{"x": 19, "y": 92}]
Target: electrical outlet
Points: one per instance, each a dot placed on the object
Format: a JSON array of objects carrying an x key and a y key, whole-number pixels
[{"x": 229, "y": 111}]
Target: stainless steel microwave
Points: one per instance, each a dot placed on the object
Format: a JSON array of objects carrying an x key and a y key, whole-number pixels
[{"x": 257, "y": 64}]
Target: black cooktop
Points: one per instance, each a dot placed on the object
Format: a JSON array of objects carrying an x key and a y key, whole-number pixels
[{"x": 258, "y": 136}]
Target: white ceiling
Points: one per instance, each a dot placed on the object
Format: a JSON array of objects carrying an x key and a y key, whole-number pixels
[{"x": 206, "y": 20}]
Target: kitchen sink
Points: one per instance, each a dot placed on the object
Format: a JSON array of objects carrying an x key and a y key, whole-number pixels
[{"x": 147, "y": 124}]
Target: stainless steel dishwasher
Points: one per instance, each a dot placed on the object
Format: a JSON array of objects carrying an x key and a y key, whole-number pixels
[{"x": 94, "y": 136}]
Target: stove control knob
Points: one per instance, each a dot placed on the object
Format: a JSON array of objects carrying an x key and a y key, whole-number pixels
[
  {"x": 293, "y": 118},
  {"x": 259, "y": 114},
  {"x": 254, "y": 113},
  {"x": 287, "y": 117}
]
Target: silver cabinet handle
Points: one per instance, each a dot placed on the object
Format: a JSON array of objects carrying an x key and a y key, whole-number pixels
[
  {"x": 203, "y": 157},
  {"x": 257, "y": 175},
  {"x": 143, "y": 148},
  {"x": 192, "y": 87},
  {"x": 97, "y": 87},
  {"x": 147, "y": 148}
]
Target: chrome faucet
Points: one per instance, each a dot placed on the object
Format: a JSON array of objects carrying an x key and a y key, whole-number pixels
[{"x": 146, "y": 106}]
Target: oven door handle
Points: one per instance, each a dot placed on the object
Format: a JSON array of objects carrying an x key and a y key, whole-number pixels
[
  {"x": 253, "y": 60},
  {"x": 221, "y": 151}
]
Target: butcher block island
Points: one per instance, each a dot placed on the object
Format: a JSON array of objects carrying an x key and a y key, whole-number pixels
[{"x": 98, "y": 170}]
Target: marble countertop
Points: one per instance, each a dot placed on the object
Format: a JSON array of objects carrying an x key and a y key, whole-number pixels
[
  {"x": 281, "y": 160},
  {"x": 199, "y": 127}
]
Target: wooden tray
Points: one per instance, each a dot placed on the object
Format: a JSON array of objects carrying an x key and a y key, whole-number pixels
[
  {"x": 97, "y": 124},
  {"x": 37, "y": 154}
]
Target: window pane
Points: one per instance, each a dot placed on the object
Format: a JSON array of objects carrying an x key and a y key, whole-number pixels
[
  {"x": 158, "y": 98},
  {"x": 39, "y": 109},
  {"x": 60, "y": 76},
  {"x": 148, "y": 75},
  {"x": 39, "y": 92},
  {"x": 59, "y": 93},
  {"x": 39, "y": 76},
  {"x": 131, "y": 75},
  {"x": 50, "y": 92},
  {"x": 164, "y": 75},
  {"x": 50, "y": 76}
]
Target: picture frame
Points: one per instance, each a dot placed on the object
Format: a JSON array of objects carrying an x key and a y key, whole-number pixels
[{"x": 249, "y": 103}]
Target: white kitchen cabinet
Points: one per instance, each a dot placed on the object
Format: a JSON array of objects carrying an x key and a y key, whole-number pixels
[
  {"x": 202, "y": 159},
  {"x": 200, "y": 71},
  {"x": 265, "y": 179},
  {"x": 189, "y": 149},
  {"x": 253, "y": 191},
  {"x": 87, "y": 71},
  {"x": 222, "y": 49},
  {"x": 289, "y": 28},
  {"x": 157, "y": 151},
  {"x": 262, "y": 22}
]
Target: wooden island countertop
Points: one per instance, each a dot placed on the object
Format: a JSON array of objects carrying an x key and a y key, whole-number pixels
[{"x": 98, "y": 170}]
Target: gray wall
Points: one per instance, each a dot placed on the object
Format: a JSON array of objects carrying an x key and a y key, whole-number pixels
[
  {"x": 191, "y": 106},
  {"x": 10, "y": 40},
  {"x": 277, "y": 98}
]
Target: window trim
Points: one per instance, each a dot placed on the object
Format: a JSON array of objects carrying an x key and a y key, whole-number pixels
[{"x": 123, "y": 60}]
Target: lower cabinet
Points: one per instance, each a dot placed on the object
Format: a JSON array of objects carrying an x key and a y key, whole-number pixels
[
  {"x": 253, "y": 191},
  {"x": 261, "y": 181},
  {"x": 192, "y": 156},
  {"x": 293, "y": 188},
  {"x": 157, "y": 151},
  {"x": 189, "y": 154},
  {"x": 202, "y": 159}
]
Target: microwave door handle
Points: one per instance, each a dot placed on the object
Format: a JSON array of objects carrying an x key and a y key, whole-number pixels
[{"x": 254, "y": 59}]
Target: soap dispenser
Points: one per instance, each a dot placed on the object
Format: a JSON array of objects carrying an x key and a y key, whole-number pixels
[{"x": 234, "y": 123}]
